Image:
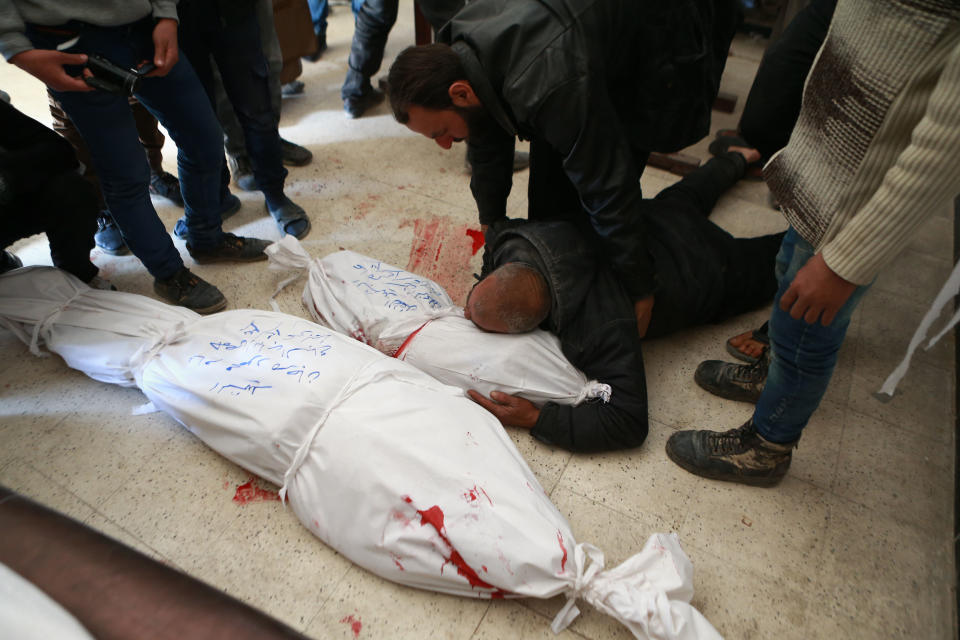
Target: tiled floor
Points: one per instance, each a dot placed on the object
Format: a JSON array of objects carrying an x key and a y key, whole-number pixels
[{"x": 856, "y": 542}]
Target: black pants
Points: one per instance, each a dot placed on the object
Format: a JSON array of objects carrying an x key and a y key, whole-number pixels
[
  {"x": 704, "y": 273},
  {"x": 65, "y": 207},
  {"x": 773, "y": 104},
  {"x": 371, "y": 27}
]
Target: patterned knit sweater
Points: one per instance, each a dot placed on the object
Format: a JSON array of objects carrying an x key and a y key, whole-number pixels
[{"x": 877, "y": 146}]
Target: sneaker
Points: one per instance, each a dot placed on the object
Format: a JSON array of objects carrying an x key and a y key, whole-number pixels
[
  {"x": 291, "y": 218},
  {"x": 293, "y": 88},
  {"x": 166, "y": 185},
  {"x": 108, "y": 236},
  {"x": 96, "y": 282},
  {"x": 294, "y": 155},
  {"x": 740, "y": 382},
  {"x": 231, "y": 205},
  {"x": 231, "y": 248},
  {"x": 242, "y": 172},
  {"x": 8, "y": 262},
  {"x": 356, "y": 107},
  {"x": 185, "y": 289},
  {"x": 739, "y": 455}
]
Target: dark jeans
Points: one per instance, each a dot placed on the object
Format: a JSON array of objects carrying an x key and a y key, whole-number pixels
[
  {"x": 235, "y": 47},
  {"x": 704, "y": 274},
  {"x": 773, "y": 104},
  {"x": 104, "y": 120},
  {"x": 66, "y": 209},
  {"x": 374, "y": 19},
  {"x": 149, "y": 133}
]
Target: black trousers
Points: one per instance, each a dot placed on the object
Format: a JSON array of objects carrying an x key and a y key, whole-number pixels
[
  {"x": 773, "y": 104},
  {"x": 705, "y": 274},
  {"x": 66, "y": 208}
]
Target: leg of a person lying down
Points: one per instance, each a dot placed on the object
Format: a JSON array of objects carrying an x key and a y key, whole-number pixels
[{"x": 115, "y": 591}]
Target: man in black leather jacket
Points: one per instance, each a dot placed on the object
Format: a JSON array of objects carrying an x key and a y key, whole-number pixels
[
  {"x": 705, "y": 275},
  {"x": 595, "y": 85}
]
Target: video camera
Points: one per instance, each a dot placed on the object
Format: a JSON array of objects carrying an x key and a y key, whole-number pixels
[{"x": 109, "y": 77}]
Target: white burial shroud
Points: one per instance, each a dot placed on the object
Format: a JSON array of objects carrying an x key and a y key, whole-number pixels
[
  {"x": 412, "y": 318},
  {"x": 403, "y": 475}
]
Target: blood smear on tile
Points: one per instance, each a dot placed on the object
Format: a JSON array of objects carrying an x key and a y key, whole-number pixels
[
  {"x": 355, "y": 624},
  {"x": 442, "y": 251},
  {"x": 247, "y": 493}
]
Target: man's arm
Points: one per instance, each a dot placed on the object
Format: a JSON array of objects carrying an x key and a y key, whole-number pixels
[
  {"x": 580, "y": 123},
  {"x": 491, "y": 159},
  {"x": 29, "y": 152}
]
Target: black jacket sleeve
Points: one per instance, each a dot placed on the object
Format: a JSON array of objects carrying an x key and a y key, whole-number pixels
[
  {"x": 30, "y": 153},
  {"x": 578, "y": 120},
  {"x": 491, "y": 159},
  {"x": 612, "y": 356}
]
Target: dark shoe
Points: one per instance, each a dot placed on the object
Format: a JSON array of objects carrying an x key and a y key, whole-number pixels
[
  {"x": 294, "y": 155},
  {"x": 321, "y": 47},
  {"x": 231, "y": 204},
  {"x": 293, "y": 88},
  {"x": 291, "y": 218},
  {"x": 8, "y": 262},
  {"x": 166, "y": 185},
  {"x": 108, "y": 237},
  {"x": 740, "y": 382},
  {"x": 739, "y": 455},
  {"x": 356, "y": 107},
  {"x": 242, "y": 172},
  {"x": 185, "y": 289},
  {"x": 231, "y": 248},
  {"x": 96, "y": 282}
]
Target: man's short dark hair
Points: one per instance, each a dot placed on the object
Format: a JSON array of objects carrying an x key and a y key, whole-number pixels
[
  {"x": 422, "y": 76},
  {"x": 516, "y": 296}
]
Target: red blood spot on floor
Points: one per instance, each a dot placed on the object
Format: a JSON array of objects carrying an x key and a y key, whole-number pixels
[
  {"x": 247, "y": 493},
  {"x": 478, "y": 239},
  {"x": 442, "y": 251},
  {"x": 563, "y": 562},
  {"x": 355, "y": 624}
]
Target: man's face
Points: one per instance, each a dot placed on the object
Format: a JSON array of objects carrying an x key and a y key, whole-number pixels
[{"x": 443, "y": 126}]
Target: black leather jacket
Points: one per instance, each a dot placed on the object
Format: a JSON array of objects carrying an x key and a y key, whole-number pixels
[{"x": 603, "y": 83}]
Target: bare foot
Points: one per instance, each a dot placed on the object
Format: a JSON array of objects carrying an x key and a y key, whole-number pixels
[
  {"x": 746, "y": 344},
  {"x": 750, "y": 155}
]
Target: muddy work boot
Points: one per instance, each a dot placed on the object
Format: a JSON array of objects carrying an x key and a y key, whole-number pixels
[
  {"x": 740, "y": 382},
  {"x": 186, "y": 289},
  {"x": 739, "y": 455}
]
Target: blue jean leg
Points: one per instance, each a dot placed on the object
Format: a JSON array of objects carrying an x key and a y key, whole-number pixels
[
  {"x": 803, "y": 355},
  {"x": 319, "y": 10},
  {"x": 107, "y": 125}
]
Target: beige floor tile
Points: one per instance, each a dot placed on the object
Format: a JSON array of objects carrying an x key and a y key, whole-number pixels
[
  {"x": 923, "y": 403},
  {"x": 774, "y": 532},
  {"x": 815, "y": 459},
  {"x": 268, "y": 559},
  {"x": 179, "y": 500},
  {"x": 638, "y": 483},
  {"x": 746, "y": 603},
  {"x": 879, "y": 573},
  {"x": 112, "y": 530},
  {"x": 896, "y": 473},
  {"x": 24, "y": 435},
  {"x": 367, "y": 606},
  {"x": 27, "y": 480},
  {"x": 935, "y": 237},
  {"x": 916, "y": 276},
  {"x": 546, "y": 462},
  {"x": 511, "y": 620}
]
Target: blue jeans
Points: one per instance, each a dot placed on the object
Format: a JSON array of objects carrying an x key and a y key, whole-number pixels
[
  {"x": 234, "y": 44},
  {"x": 803, "y": 355},
  {"x": 320, "y": 9},
  {"x": 107, "y": 125}
]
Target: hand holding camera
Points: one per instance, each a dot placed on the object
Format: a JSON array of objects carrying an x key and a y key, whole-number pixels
[{"x": 115, "y": 79}]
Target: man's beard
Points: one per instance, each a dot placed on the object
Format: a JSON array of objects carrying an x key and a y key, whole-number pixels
[{"x": 479, "y": 122}]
